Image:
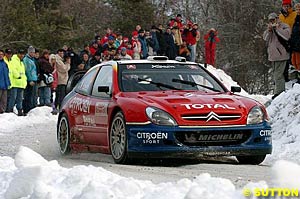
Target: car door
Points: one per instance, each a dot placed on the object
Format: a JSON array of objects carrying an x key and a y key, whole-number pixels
[
  {"x": 101, "y": 99},
  {"x": 81, "y": 106}
]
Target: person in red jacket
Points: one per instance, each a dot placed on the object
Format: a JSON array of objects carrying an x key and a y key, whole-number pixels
[{"x": 211, "y": 40}]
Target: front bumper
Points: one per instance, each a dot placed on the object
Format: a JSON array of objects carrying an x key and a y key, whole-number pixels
[{"x": 153, "y": 141}]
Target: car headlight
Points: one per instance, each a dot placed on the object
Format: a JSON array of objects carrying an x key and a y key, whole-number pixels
[
  {"x": 255, "y": 116},
  {"x": 160, "y": 117}
]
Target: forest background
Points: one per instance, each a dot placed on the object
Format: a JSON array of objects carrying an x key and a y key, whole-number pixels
[{"x": 240, "y": 24}]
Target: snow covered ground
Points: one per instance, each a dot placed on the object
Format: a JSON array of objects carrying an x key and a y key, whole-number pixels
[{"x": 29, "y": 175}]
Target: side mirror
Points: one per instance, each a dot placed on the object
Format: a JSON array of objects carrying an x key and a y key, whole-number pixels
[
  {"x": 103, "y": 89},
  {"x": 236, "y": 89}
]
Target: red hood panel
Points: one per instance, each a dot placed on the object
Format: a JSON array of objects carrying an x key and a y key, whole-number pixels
[{"x": 198, "y": 108}]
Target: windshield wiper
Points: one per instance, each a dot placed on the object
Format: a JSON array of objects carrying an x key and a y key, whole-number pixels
[
  {"x": 193, "y": 84},
  {"x": 158, "y": 84}
]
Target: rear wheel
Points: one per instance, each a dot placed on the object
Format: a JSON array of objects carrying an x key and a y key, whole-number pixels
[
  {"x": 255, "y": 159},
  {"x": 118, "y": 139},
  {"x": 63, "y": 135}
]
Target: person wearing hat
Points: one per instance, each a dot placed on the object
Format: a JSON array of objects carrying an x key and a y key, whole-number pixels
[
  {"x": 96, "y": 59},
  {"x": 191, "y": 34},
  {"x": 110, "y": 47},
  {"x": 7, "y": 56},
  {"x": 210, "y": 45},
  {"x": 275, "y": 34},
  {"x": 136, "y": 45},
  {"x": 119, "y": 40},
  {"x": 18, "y": 82},
  {"x": 287, "y": 15},
  {"x": 93, "y": 48},
  {"x": 123, "y": 54},
  {"x": 105, "y": 39},
  {"x": 4, "y": 82}
]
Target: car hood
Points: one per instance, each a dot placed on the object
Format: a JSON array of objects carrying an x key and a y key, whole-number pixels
[{"x": 199, "y": 108}]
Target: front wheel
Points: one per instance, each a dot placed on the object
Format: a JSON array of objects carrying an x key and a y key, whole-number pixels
[
  {"x": 255, "y": 159},
  {"x": 118, "y": 139},
  {"x": 63, "y": 135}
]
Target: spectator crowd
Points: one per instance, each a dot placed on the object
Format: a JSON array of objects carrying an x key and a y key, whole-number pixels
[
  {"x": 30, "y": 78},
  {"x": 282, "y": 36}
]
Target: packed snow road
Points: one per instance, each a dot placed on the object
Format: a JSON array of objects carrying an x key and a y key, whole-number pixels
[{"x": 40, "y": 136}]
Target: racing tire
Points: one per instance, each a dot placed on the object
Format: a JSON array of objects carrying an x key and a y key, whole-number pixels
[
  {"x": 118, "y": 139},
  {"x": 254, "y": 160},
  {"x": 63, "y": 135}
]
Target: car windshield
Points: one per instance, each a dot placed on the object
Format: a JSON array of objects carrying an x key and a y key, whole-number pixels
[{"x": 156, "y": 77}]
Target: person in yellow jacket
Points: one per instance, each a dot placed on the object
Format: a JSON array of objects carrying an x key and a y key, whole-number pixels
[
  {"x": 18, "y": 82},
  {"x": 287, "y": 15}
]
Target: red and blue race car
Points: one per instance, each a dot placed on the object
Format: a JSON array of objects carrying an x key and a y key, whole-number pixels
[{"x": 160, "y": 108}]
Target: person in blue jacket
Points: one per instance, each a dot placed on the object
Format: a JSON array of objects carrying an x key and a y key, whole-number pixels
[
  {"x": 30, "y": 93},
  {"x": 4, "y": 82}
]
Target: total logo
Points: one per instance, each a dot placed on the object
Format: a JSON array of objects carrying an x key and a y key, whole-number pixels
[{"x": 210, "y": 106}]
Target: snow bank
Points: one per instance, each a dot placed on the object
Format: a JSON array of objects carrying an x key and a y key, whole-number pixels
[
  {"x": 284, "y": 113},
  {"x": 31, "y": 176},
  {"x": 10, "y": 122}
]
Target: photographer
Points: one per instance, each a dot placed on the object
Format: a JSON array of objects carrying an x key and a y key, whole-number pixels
[
  {"x": 211, "y": 40},
  {"x": 276, "y": 34},
  {"x": 62, "y": 66}
]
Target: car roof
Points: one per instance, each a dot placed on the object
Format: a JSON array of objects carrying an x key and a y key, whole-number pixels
[
  {"x": 153, "y": 59},
  {"x": 145, "y": 61}
]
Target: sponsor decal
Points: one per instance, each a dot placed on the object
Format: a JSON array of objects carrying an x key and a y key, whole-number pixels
[
  {"x": 78, "y": 104},
  {"x": 101, "y": 109},
  {"x": 212, "y": 115},
  {"x": 162, "y": 66},
  {"x": 265, "y": 133},
  {"x": 217, "y": 153},
  {"x": 210, "y": 106},
  {"x": 131, "y": 67},
  {"x": 213, "y": 138},
  {"x": 152, "y": 138},
  {"x": 88, "y": 121}
]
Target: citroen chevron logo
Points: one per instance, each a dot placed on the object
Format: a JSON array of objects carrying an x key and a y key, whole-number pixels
[{"x": 212, "y": 115}]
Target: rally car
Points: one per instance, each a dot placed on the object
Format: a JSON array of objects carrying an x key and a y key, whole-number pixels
[{"x": 160, "y": 108}]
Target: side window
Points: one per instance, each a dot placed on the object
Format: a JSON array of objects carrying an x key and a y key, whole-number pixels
[
  {"x": 85, "y": 84},
  {"x": 104, "y": 78}
]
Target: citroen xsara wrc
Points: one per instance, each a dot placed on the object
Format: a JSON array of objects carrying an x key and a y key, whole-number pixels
[{"x": 160, "y": 108}]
